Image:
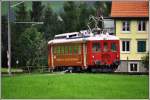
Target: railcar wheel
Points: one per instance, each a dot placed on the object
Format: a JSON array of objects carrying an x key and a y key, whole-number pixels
[{"x": 89, "y": 69}]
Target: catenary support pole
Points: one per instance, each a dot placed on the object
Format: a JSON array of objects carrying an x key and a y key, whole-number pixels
[{"x": 9, "y": 41}]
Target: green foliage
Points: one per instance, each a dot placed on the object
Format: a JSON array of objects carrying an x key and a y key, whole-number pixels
[
  {"x": 75, "y": 86},
  {"x": 85, "y": 12},
  {"x": 145, "y": 61},
  {"x": 4, "y": 42},
  {"x": 29, "y": 42},
  {"x": 102, "y": 8},
  {"x": 49, "y": 26},
  {"x": 53, "y": 24},
  {"x": 32, "y": 44},
  {"x": 21, "y": 13},
  {"x": 70, "y": 16},
  {"x": 37, "y": 11}
]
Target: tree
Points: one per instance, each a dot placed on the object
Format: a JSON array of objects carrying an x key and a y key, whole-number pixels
[
  {"x": 102, "y": 8},
  {"x": 49, "y": 23},
  {"x": 37, "y": 11},
  {"x": 53, "y": 24},
  {"x": 145, "y": 61},
  {"x": 70, "y": 16},
  {"x": 17, "y": 30},
  {"x": 85, "y": 12},
  {"x": 4, "y": 41},
  {"x": 21, "y": 13},
  {"x": 32, "y": 43}
]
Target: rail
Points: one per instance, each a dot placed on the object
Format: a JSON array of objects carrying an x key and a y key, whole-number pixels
[{"x": 41, "y": 69}]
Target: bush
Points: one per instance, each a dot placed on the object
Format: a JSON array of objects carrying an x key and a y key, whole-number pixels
[{"x": 145, "y": 61}]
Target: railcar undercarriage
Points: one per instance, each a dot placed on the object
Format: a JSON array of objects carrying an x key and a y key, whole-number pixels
[{"x": 76, "y": 69}]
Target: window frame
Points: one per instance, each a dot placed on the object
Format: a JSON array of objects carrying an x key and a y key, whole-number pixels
[
  {"x": 54, "y": 50},
  {"x": 145, "y": 46},
  {"x": 62, "y": 50},
  {"x": 115, "y": 47},
  {"x": 99, "y": 47},
  {"x": 126, "y": 26},
  {"x": 125, "y": 46},
  {"x": 141, "y": 21},
  {"x": 129, "y": 66}
]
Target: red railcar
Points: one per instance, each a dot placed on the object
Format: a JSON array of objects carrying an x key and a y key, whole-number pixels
[{"x": 84, "y": 50}]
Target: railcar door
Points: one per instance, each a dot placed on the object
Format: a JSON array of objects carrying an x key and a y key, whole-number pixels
[
  {"x": 110, "y": 52},
  {"x": 106, "y": 57},
  {"x": 96, "y": 52},
  {"x": 115, "y": 52}
]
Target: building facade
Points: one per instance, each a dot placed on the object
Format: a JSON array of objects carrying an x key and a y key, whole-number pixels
[{"x": 131, "y": 26}]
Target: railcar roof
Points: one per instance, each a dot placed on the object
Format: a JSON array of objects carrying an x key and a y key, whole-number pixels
[
  {"x": 64, "y": 34},
  {"x": 84, "y": 39}
]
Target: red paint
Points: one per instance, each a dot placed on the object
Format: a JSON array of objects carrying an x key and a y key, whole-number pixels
[{"x": 105, "y": 58}]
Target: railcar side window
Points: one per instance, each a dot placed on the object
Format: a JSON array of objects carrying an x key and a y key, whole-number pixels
[
  {"x": 62, "y": 49},
  {"x": 70, "y": 49},
  {"x": 66, "y": 49},
  {"x": 96, "y": 47},
  {"x": 105, "y": 46},
  {"x": 75, "y": 50},
  {"x": 113, "y": 47},
  {"x": 54, "y": 49},
  {"x": 58, "y": 50},
  {"x": 79, "y": 49}
]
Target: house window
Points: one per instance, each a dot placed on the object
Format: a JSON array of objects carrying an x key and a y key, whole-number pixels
[
  {"x": 141, "y": 26},
  {"x": 141, "y": 46},
  {"x": 126, "y": 46},
  {"x": 133, "y": 67},
  {"x": 125, "y": 26}
]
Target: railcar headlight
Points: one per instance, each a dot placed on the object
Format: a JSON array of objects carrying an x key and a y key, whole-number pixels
[{"x": 117, "y": 56}]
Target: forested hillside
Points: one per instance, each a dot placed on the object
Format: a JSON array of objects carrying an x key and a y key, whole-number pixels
[{"x": 29, "y": 41}]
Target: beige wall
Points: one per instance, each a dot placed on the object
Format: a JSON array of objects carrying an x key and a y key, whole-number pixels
[{"x": 133, "y": 35}]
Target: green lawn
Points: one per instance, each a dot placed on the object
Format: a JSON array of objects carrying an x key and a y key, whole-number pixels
[{"x": 75, "y": 86}]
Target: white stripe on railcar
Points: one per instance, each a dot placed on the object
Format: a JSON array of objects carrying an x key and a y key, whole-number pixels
[{"x": 96, "y": 37}]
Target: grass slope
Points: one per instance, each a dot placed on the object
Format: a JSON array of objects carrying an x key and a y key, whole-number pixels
[{"x": 75, "y": 86}]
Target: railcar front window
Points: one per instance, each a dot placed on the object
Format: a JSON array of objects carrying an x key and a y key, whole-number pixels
[
  {"x": 113, "y": 47},
  {"x": 105, "y": 47},
  {"x": 96, "y": 47}
]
